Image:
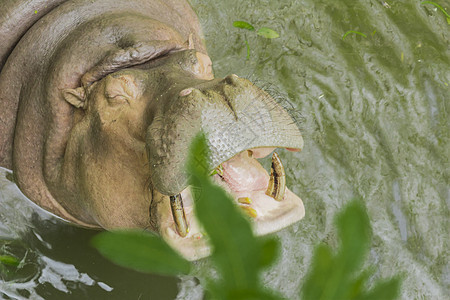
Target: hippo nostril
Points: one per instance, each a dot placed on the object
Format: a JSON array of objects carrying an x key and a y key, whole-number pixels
[
  {"x": 185, "y": 92},
  {"x": 231, "y": 79}
]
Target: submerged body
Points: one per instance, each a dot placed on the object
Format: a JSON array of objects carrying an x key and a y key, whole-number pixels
[{"x": 99, "y": 102}]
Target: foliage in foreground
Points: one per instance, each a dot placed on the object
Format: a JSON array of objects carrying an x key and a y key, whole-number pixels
[
  {"x": 338, "y": 276},
  {"x": 239, "y": 256}
]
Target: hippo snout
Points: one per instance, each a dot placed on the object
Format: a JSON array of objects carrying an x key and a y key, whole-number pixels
[
  {"x": 235, "y": 116},
  {"x": 241, "y": 123}
]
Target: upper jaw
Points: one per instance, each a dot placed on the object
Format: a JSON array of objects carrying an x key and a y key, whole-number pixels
[
  {"x": 233, "y": 114},
  {"x": 267, "y": 214}
]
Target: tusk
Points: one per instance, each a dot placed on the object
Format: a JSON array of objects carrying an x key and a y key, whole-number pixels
[
  {"x": 244, "y": 204},
  {"x": 179, "y": 217},
  {"x": 245, "y": 200},
  {"x": 251, "y": 212},
  {"x": 277, "y": 181}
]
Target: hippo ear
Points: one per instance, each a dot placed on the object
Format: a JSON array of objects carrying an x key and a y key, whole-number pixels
[
  {"x": 190, "y": 42},
  {"x": 76, "y": 97}
]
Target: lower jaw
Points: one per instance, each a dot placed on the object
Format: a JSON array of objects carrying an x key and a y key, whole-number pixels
[{"x": 271, "y": 216}]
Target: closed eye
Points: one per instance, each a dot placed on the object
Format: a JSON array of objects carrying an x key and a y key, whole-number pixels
[{"x": 117, "y": 99}]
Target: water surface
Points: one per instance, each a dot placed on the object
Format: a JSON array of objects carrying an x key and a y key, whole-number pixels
[{"x": 375, "y": 117}]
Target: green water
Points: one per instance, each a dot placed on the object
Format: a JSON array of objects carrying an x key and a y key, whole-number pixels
[{"x": 375, "y": 118}]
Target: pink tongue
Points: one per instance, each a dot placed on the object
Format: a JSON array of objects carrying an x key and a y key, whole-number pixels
[{"x": 243, "y": 173}]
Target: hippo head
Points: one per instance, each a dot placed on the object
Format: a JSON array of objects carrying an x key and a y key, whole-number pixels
[
  {"x": 126, "y": 156},
  {"x": 99, "y": 103}
]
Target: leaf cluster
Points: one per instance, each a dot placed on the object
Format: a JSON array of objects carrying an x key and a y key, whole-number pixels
[
  {"x": 336, "y": 276},
  {"x": 265, "y": 32},
  {"x": 240, "y": 256}
]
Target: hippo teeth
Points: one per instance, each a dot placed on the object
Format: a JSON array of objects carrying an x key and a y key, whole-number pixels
[
  {"x": 276, "y": 189},
  {"x": 179, "y": 216},
  {"x": 277, "y": 182},
  {"x": 218, "y": 170},
  {"x": 244, "y": 204}
]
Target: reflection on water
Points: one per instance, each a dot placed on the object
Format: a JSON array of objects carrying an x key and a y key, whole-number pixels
[
  {"x": 376, "y": 126},
  {"x": 56, "y": 260}
]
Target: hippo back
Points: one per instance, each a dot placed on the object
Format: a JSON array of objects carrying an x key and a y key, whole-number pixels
[
  {"x": 16, "y": 17},
  {"x": 65, "y": 44}
]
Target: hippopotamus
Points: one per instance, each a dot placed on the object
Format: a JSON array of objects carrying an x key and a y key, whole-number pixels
[{"x": 99, "y": 103}]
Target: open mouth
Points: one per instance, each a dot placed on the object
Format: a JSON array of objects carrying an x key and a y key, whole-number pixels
[{"x": 262, "y": 196}]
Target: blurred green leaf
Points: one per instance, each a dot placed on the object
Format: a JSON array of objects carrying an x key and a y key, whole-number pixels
[
  {"x": 356, "y": 287},
  {"x": 141, "y": 251},
  {"x": 318, "y": 276},
  {"x": 269, "y": 252},
  {"x": 268, "y": 33},
  {"x": 237, "y": 253},
  {"x": 235, "y": 247},
  {"x": 215, "y": 290},
  {"x": 355, "y": 234},
  {"x": 9, "y": 260},
  {"x": 384, "y": 290},
  {"x": 252, "y": 295},
  {"x": 334, "y": 276},
  {"x": 198, "y": 164},
  {"x": 243, "y": 25}
]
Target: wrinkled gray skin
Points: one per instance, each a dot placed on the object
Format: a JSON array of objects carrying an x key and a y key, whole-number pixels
[{"x": 99, "y": 101}]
